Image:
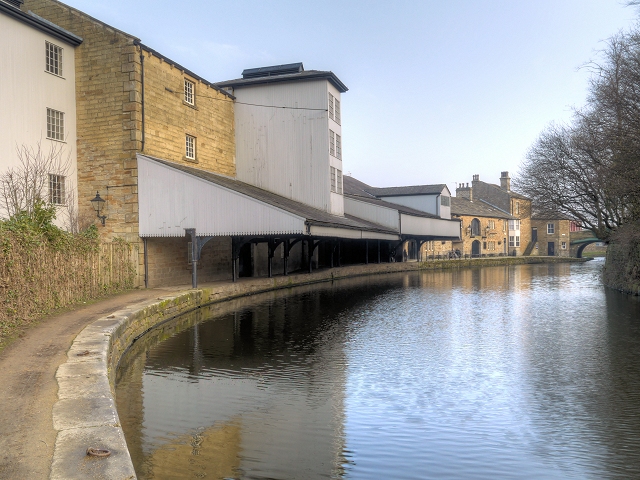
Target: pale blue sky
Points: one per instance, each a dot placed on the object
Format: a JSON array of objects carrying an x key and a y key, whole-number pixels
[{"x": 438, "y": 90}]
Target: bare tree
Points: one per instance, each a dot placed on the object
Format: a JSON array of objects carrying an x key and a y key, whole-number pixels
[
  {"x": 24, "y": 186},
  {"x": 590, "y": 169}
]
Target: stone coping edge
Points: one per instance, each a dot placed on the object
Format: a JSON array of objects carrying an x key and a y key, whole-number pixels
[{"x": 85, "y": 414}]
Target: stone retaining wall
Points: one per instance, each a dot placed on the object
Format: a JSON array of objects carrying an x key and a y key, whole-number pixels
[{"x": 85, "y": 414}]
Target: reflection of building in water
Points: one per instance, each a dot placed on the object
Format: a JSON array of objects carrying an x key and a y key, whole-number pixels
[
  {"x": 260, "y": 390},
  {"x": 500, "y": 278}
]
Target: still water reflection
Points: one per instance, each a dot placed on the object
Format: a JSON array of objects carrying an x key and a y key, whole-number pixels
[{"x": 501, "y": 372}]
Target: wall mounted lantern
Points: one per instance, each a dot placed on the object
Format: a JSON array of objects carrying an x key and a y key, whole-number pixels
[{"x": 98, "y": 205}]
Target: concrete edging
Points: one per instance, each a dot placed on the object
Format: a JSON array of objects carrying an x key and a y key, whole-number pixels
[{"x": 85, "y": 414}]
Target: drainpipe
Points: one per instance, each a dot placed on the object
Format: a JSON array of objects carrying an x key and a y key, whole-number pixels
[
  {"x": 146, "y": 264},
  {"x": 142, "y": 82}
]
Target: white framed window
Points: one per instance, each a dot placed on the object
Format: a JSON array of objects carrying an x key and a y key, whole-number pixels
[
  {"x": 517, "y": 208},
  {"x": 514, "y": 224},
  {"x": 491, "y": 224},
  {"x": 55, "y": 124},
  {"x": 333, "y": 179},
  {"x": 337, "y": 110},
  {"x": 332, "y": 143},
  {"x": 53, "y": 58},
  {"x": 564, "y": 245},
  {"x": 338, "y": 146},
  {"x": 190, "y": 147},
  {"x": 444, "y": 201},
  {"x": 339, "y": 181},
  {"x": 56, "y": 189},
  {"x": 331, "y": 107},
  {"x": 514, "y": 240},
  {"x": 189, "y": 92},
  {"x": 551, "y": 228}
]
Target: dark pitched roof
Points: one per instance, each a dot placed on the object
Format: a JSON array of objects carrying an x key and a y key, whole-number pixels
[
  {"x": 477, "y": 208},
  {"x": 549, "y": 215},
  {"x": 41, "y": 24},
  {"x": 355, "y": 189},
  {"x": 291, "y": 77},
  {"x": 511, "y": 193},
  {"x": 410, "y": 190},
  {"x": 312, "y": 215}
]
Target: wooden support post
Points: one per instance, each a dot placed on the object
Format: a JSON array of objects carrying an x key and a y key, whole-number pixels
[
  {"x": 378, "y": 251},
  {"x": 339, "y": 259},
  {"x": 366, "y": 252},
  {"x": 234, "y": 270},
  {"x": 286, "y": 256},
  {"x": 310, "y": 249},
  {"x": 333, "y": 252}
]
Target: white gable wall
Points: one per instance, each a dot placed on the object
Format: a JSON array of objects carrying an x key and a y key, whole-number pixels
[{"x": 26, "y": 90}]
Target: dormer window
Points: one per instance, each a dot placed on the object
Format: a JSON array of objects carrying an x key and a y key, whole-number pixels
[
  {"x": 189, "y": 92},
  {"x": 444, "y": 201},
  {"x": 53, "y": 58}
]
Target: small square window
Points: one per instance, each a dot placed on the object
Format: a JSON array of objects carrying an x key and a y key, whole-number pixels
[
  {"x": 564, "y": 245},
  {"x": 337, "y": 111},
  {"x": 189, "y": 92},
  {"x": 551, "y": 228},
  {"x": 53, "y": 56},
  {"x": 331, "y": 106},
  {"x": 339, "y": 181},
  {"x": 55, "y": 124},
  {"x": 338, "y": 146},
  {"x": 332, "y": 143},
  {"x": 56, "y": 189},
  {"x": 190, "y": 147}
]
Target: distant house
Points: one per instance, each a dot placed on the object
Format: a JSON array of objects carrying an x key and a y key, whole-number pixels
[
  {"x": 38, "y": 100},
  {"x": 484, "y": 227},
  {"x": 551, "y": 233},
  {"x": 502, "y": 198}
]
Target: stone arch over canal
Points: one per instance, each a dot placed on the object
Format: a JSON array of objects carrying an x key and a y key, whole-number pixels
[{"x": 580, "y": 240}]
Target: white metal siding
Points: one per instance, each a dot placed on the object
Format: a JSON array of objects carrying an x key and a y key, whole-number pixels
[
  {"x": 435, "y": 227},
  {"x": 285, "y": 151},
  {"x": 320, "y": 231},
  {"x": 26, "y": 90},
  {"x": 171, "y": 200},
  {"x": 373, "y": 213},
  {"x": 424, "y": 203}
]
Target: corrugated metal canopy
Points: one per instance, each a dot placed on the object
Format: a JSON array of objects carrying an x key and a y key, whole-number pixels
[{"x": 173, "y": 197}]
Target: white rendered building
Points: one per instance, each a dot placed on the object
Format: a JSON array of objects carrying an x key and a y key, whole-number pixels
[{"x": 37, "y": 100}]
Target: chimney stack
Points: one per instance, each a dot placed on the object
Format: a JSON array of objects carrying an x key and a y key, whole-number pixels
[
  {"x": 464, "y": 192},
  {"x": 505, "y": 181}
]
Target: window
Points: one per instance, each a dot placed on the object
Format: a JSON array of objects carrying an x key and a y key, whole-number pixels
[
  {"x": 190, "y": 147},
  {"x": 504, "y": 225},
  {"x": 333, "y": 179},
  {"x": 53, "y": 56},
  {"x": 564, "y": 245},
  {"x": 517, "y": 208},
  {"x": 492, "y": 246},
  {"x": 337, "y": 102},
  {"x": 475, "y": 227},
  {"x": 332, "y": 143},
  {"x": 514, "y": 240},
  {"x": 331, "y": 107},
  {"x": 56, "y": 189},
  {"x": 514, "y": 224},
  {"x": 338, "y": 146},
  {"x": 551, "y": 228},
  {"x": 189, "y": 92},
  {"x": 339, "y": 181},
  {"x": 55, "y": 124},
  {"x": 444, "y": 201},
  {"x": 491, "y": 224}
]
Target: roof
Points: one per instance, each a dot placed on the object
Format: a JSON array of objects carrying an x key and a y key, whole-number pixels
[
  {"x": 290, "y": 77},
  {"x": 312, "y": 215},
  {"x": 355, "y": 189},
  {"x": 41, "y": 24},
  {"x": 180, "y": 67},
  {"x": 406, "y": 191},
  {"x": 463, "y": 206},
  {"x": 549, "y": 215},
  {"x": 511, "y": 193}
]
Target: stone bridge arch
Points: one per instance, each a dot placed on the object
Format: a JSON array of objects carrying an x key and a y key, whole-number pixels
[{"x": 580, "y": 240}]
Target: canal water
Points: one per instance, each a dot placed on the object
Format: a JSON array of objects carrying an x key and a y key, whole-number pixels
[{"x": 529, "y": 371}]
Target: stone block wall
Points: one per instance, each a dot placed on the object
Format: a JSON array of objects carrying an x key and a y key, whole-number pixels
[
  {"x": 561, "y": 234},
  {"x": 168, "y": 118},
  {"x": 108, "y": 116},
  {"x": 168, "y": 263},
  {"x": 492, "y": 239}
]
